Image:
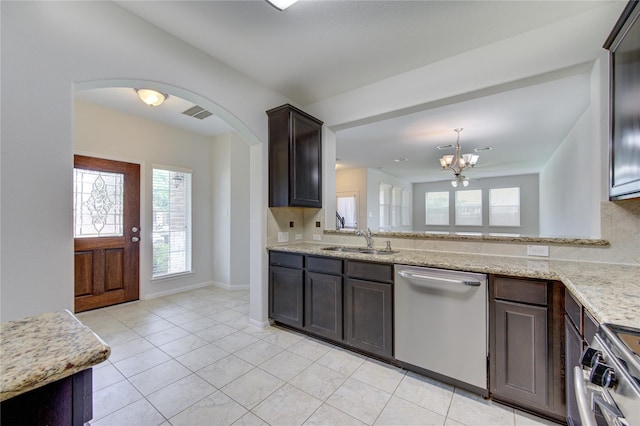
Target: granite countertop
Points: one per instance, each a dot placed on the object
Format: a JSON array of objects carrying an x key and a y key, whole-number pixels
[
  {"x": 610, "y": 292},
  {"x": 39, "y": 350}
]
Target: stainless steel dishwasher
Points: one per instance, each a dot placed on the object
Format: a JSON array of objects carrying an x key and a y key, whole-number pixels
[{"x": 441, "y": 324}]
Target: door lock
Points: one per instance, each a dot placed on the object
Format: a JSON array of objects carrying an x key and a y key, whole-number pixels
[
  {"x": 134, "y": 229},
  {"x": 135, "y": 239}
]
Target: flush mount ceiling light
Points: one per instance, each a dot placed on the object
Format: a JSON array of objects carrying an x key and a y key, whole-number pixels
[
  {"x": 281, "y": 4},
  {"x": 151, "y": 97},
  {"x": 457, "y": 163}
]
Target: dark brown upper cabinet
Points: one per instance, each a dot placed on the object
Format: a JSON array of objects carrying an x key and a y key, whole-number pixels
[
  {"x": 295, "y": 158},
  {"x": 624, "y": 47}
]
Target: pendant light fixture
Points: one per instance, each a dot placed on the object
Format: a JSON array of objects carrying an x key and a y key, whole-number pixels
[
  {"x": 151, "y": 97},
  {"x": 457, "y": 163}
]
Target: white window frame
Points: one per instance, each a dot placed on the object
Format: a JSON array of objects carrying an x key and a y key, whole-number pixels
[
  {"x": 492, "y": 206},
  {"x": 458, "y": 208},
  {"x": 385, "y": 207},
  {"x": 181, "y": 241},
  {"x": 426, "y": 208}
]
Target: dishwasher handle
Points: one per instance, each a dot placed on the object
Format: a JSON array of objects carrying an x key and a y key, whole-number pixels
[{"x": 418, "y": 277}]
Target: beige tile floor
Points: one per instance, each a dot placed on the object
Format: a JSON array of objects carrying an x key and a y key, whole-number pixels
[{"x": 193, "y": 359}]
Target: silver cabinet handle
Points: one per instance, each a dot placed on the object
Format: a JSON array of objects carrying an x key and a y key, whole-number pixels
[{"x": 135, "y": 239}]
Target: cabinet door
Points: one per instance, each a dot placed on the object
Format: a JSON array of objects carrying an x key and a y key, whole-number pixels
[
  {"x": 285, "y": 295},
  {"x": 323, "y": 305},
  {"x": 519, "y": 366},
  {"x": 573, "y": 352},
  {"x": 369, "y": 316},
  {"x": 305, "y": 173}
]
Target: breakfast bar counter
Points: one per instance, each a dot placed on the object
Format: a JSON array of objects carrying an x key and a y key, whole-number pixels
[
  {"x": 608, "y": 291},
  {"x": 48, "y": 356}
]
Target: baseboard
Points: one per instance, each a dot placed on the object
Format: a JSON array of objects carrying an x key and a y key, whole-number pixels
[
  {"x": 230, "y": 287},
  {"x": 259, "y": 324},
  {"x": 176, "y": 290}
]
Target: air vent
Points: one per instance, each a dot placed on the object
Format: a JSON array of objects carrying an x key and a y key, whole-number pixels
[{"x": 197, "y": 112}]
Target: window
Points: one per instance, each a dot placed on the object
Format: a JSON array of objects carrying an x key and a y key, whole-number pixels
[
  {"x": 396, "y": 207},
  {"x": 347, "y": 209},
  {"x": 504, "y": 207},
  {"x": 385, "y": 206},
  {"x": 97, "y": 204},
  {"x": 171, "y": 232},
  {"x": 469, "y": 207},
  {"x": 437, "y": 208},
  {"x": 407, "y": 209}
]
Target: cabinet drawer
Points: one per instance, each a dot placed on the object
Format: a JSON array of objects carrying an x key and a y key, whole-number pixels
[
  {"x": 573, "y": 310},
  {"x": 324, "y": 265},
  {"x": 590, "y": 327},
  {"x": 524, "y": 291},
  {"x": 370, "y": 271},
  {"x": 289, "y": 260}
]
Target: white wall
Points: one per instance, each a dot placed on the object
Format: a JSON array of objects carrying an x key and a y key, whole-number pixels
[
  {"x": 104, "y": 133},
  {"x": 47, "y": 49},
  {"x": 572, "y": 181},
  {"x": 528, "y": 54},
  {"x": 230, "y": 240}
]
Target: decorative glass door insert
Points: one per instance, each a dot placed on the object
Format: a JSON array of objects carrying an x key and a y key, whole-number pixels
[{"x": 97, "y": 203}]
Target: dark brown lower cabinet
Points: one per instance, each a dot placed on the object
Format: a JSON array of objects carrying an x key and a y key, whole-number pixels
[
  {"x": 348, "y": 302},
  {"x": 285, "y": 295},
  {"x": 521, "y": 352},
  {"x": 369, "y": 309},
  {"x": 67, "y": 401},
  {"x": 323, "y": 305},
  {"x": 527, "y": 345},
  {"x": 368, "y": 322}
]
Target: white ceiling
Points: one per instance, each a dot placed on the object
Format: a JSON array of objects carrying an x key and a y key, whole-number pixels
[{"x": 318, "y": 49}]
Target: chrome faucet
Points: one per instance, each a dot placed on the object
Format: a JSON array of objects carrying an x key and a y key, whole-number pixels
[{"x": 367, "y": 236}]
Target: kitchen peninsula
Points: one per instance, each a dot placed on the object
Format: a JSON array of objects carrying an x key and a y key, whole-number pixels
[
  {"x": 608, "y": 291},
  {"x": 45, "y": 365}
]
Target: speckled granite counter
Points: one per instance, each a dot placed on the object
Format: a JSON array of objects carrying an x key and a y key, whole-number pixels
[
  {"x": 39, "y": 350},
  {"x": 610, "y": 292},
  {"x": 496, "y": 238}
]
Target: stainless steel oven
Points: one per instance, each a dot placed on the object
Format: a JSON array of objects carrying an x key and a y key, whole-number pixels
[{"x": 607, "y": 384}]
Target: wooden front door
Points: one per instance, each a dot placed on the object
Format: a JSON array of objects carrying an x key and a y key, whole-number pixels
[{"x": 106, "y": 224}]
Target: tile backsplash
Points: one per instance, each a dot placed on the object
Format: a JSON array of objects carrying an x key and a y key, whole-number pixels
[{"x": 619, "y": 224}]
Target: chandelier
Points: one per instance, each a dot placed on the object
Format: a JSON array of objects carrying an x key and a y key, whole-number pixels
[{"x": 457, "y": 163}]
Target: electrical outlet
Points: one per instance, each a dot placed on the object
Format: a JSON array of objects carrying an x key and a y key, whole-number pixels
[
  {"x": 298, "y": 236},
  {"x": 542, "y": 251},
  {"x": 316, "y": 237},
  {"x": 283, "y": 237}
]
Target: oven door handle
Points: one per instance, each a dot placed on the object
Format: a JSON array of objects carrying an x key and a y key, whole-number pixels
[{"x": 582, "y": 398}]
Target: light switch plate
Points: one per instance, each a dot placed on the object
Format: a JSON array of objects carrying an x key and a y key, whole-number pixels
[
  {"x": 542, "y": 251},
  {"x": 283, "y": 237}
]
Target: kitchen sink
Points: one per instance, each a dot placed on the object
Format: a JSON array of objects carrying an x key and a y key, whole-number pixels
[{"x": 363, "y": 250}]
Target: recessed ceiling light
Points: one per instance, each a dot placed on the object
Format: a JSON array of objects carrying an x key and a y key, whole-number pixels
[{"x": 401, "y": 160}]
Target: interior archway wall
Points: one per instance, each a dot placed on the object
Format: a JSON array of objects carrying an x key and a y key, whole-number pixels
[
  {"x": 220, "y": 243},
  {"x": 48, "y": 50}
]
